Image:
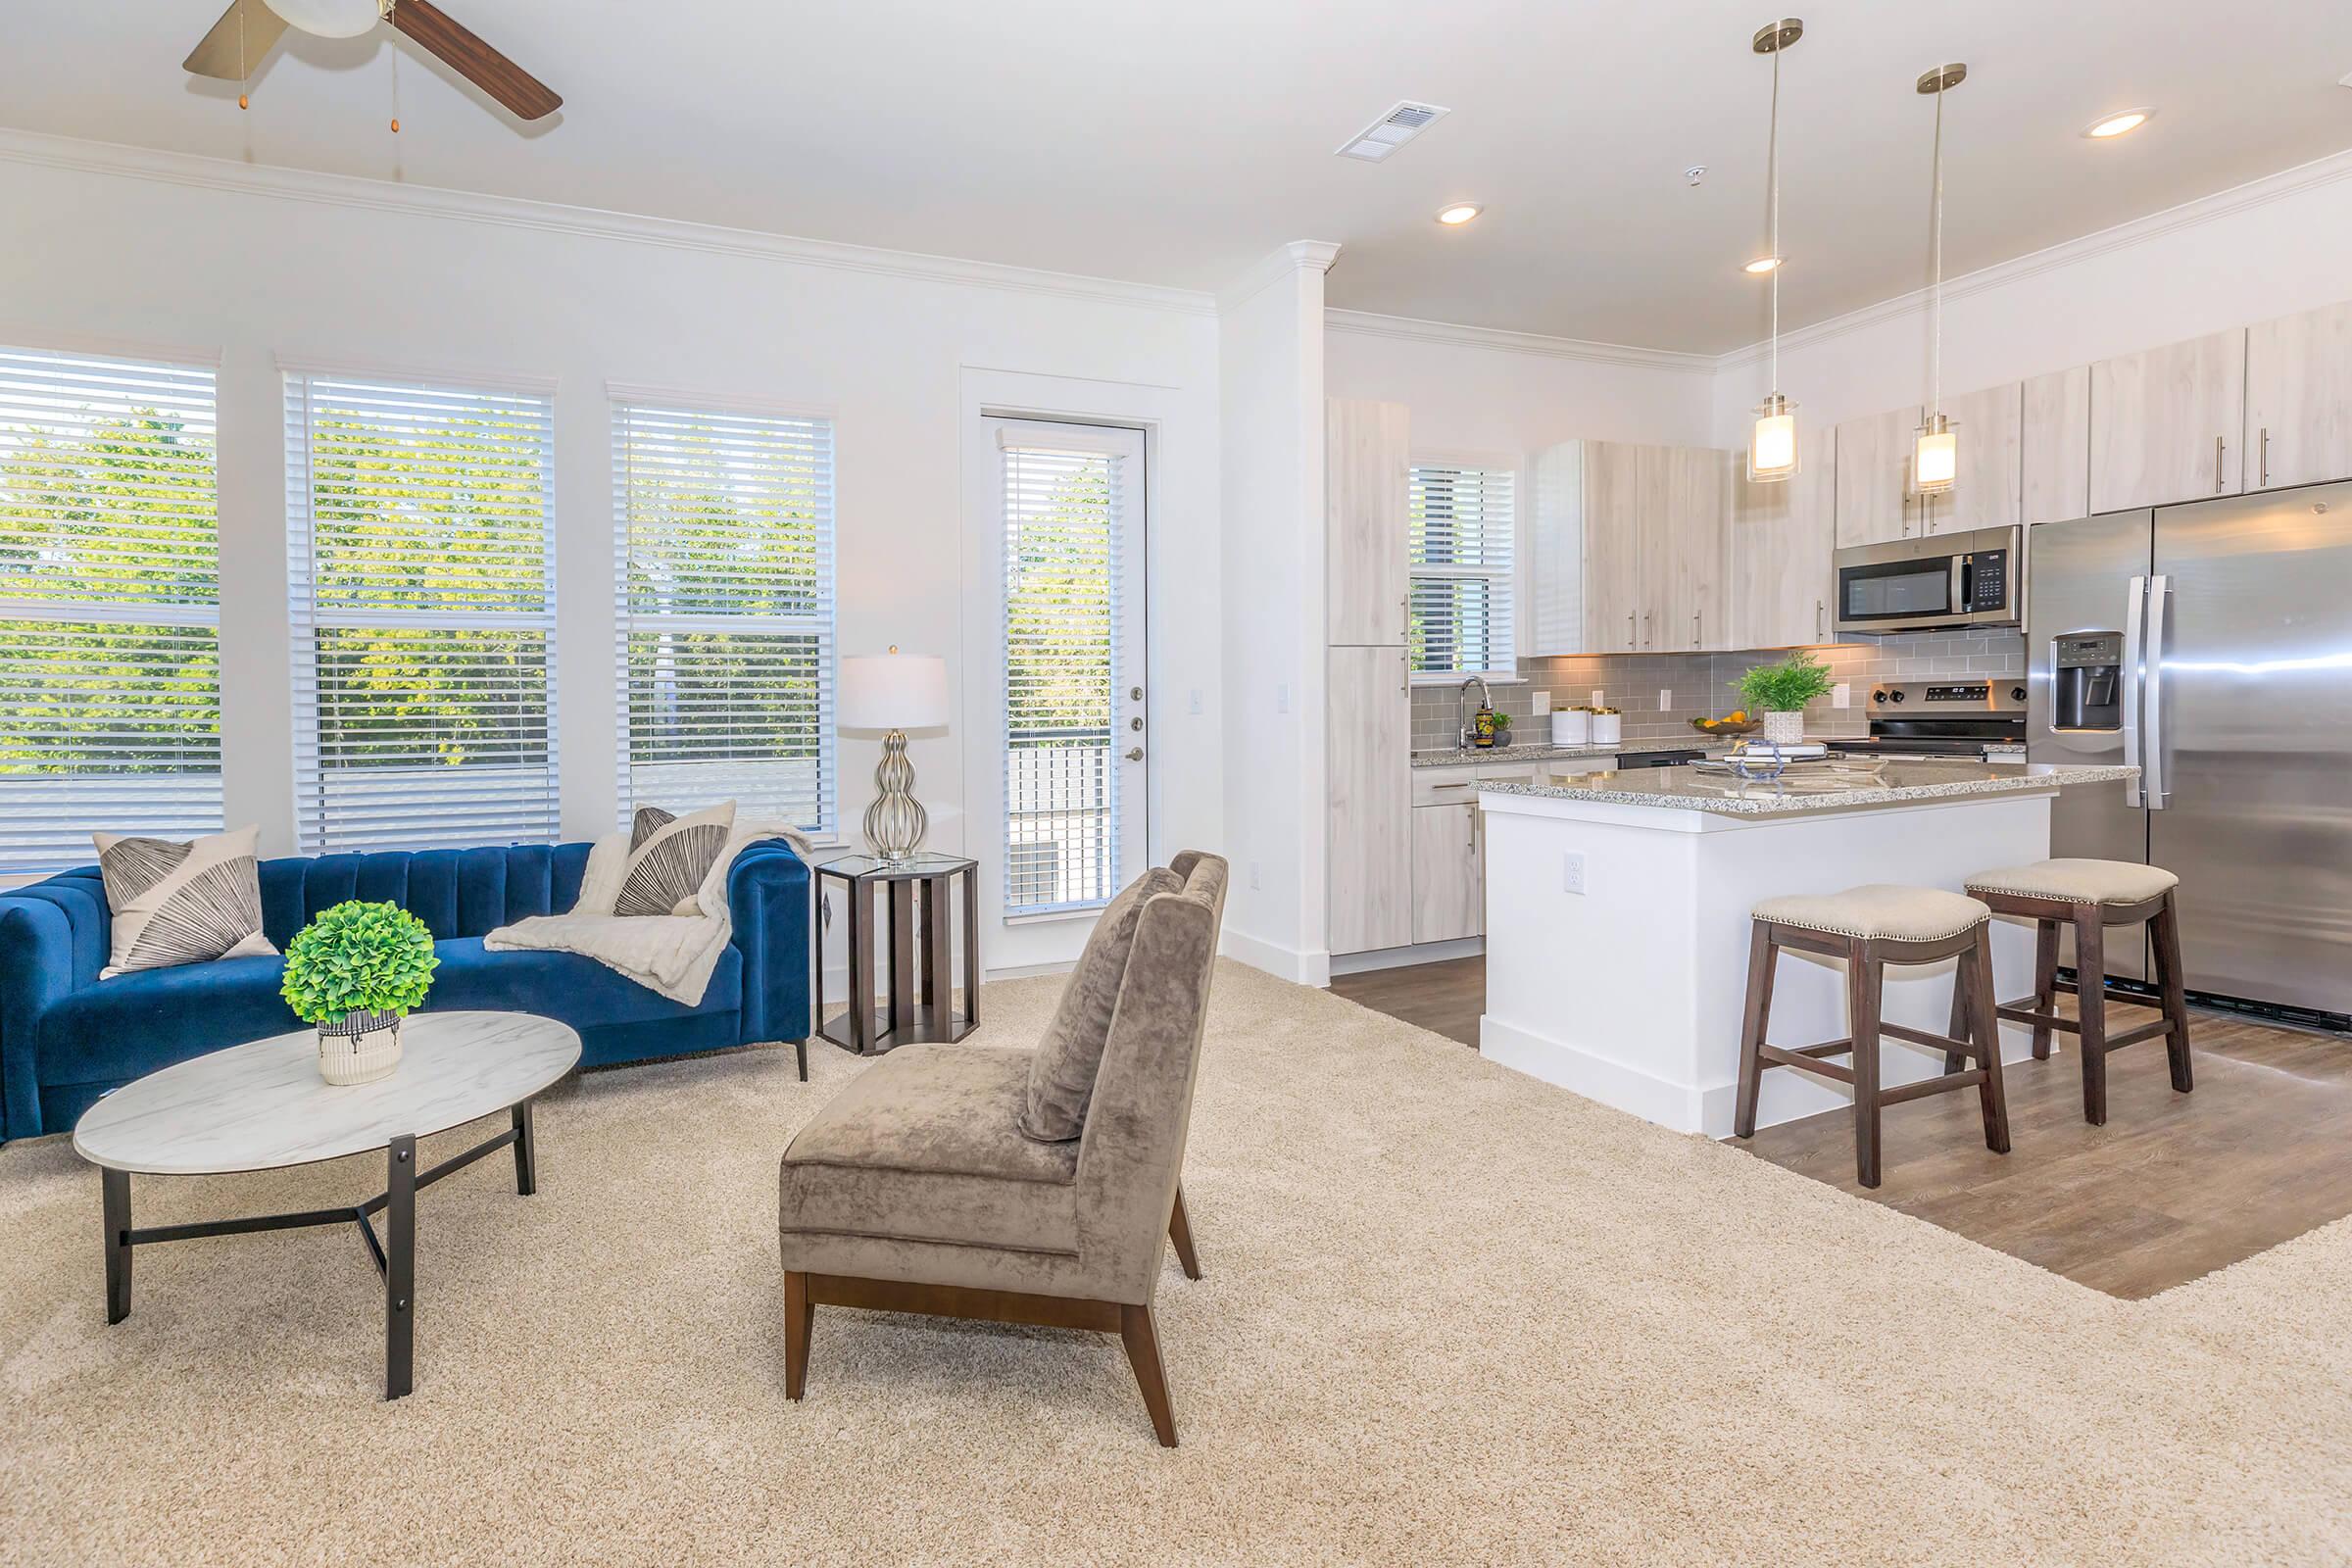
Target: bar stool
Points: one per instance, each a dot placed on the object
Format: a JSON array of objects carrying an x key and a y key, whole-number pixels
[
  {"x": 1871, "y": 927},
  {"x": 2089, "y": 896}
]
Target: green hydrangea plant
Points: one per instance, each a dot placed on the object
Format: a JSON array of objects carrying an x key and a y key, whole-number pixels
[
  {"x": 358, "y": 958},
  {"x": 1785, "y": 687}
]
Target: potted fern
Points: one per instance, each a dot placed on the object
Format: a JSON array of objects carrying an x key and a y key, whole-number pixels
[
  {"x": 1782, "y": 691},
  {"x": 354, "y": 973}
]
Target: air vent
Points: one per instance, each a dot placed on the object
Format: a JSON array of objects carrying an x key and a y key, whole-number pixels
[{"x": 1391, "y": 131}]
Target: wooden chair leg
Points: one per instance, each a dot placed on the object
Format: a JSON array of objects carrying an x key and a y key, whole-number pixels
[
  {"x": 800, "y": 1317},
  {"x": 2090, "y": 995},
  {"x": 1763, "y": 957},
  {"x": 1985, "y": 1028},
  {"x": 1142, "y": 1354},
  {"x": 1180, "y": 1231},
  {"x": 1862, "y": 981},
  {"x": 2045, "y": 982},
  {"x": 2166, "y": 929}
]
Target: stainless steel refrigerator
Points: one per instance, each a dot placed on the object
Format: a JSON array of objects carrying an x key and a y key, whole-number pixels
[{"x": 2212, "y": 645}]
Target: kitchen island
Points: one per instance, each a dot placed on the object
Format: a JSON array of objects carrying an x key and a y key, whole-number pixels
[{"x": 1617, "y": 916}]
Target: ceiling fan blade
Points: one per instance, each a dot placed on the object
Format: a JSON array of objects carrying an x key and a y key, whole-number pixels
[
  {"x": 456, "y": 44},
  {"x": 223, "y": 54}
]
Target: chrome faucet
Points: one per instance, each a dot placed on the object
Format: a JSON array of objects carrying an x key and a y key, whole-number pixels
[{"x": 1464, "y": 732}]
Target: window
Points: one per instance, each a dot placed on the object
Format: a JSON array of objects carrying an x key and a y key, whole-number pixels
[
  {"x": 421, "y": 566},
  {"x": 110, "y": 605},
  {"x": 1073, "y": 774},
  {"x": 725, "y": 524},
  {"x": 1460, "y": 524}
]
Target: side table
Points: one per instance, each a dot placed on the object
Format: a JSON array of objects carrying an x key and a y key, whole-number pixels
[{"x": 914, "y": 895}]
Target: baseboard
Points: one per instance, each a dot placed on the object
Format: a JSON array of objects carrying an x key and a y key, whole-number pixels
[
  {"x": 1301, "y": 967},
  {"x": 1406, "y": 957},
  {"x": 1612, "y": 1083}
]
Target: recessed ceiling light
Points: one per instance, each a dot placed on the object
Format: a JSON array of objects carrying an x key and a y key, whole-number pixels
[
  {"x": 1458, "y": 213},
  {"x": 1762, "y": 265},
  {"x": 2117, "y": 123}
]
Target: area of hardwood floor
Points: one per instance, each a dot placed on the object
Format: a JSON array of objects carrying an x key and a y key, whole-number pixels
[{"x": 2172, "y": 1188}]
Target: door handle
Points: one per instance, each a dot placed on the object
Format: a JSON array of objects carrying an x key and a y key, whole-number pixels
[
  {"x": 2134, "y": 605},
  {"x": 2218, "y": 445},
  {"x": 2160, "y": 592}
]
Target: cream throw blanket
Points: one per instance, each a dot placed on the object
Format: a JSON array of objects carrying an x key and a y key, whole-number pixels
[{"x": 671, "y": 953}]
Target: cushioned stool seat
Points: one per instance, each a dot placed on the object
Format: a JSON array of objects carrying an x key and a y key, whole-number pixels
[
  {"x": 925, "y": 1146},
  {"x": 2078, "y": 881},
  {"x": 1878, "y": 912}
]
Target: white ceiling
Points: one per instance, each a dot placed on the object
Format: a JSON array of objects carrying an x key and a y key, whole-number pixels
[{"x": 1177, "y": 143}]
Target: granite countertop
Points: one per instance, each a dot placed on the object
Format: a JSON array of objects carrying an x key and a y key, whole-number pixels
[
  {"x": 1450, "y": 758},
  {"x": 1832, "y": 786}
]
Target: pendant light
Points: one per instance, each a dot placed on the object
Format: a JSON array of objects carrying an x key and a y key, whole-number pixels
[
  {"x": 1772, "y": 453},
  {"x": 1935, "y": 459}
]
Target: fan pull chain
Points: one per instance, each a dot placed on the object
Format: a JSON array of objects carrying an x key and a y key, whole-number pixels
[{"x": 244, "y": 66}]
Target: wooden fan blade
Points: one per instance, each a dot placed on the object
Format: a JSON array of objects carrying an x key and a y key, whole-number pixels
[
  {"x": 223, "y": 54},
  {"x": 465, "y": 54}
]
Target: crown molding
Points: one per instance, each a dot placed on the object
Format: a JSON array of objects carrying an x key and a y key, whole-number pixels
[
  {"x": 1409, "y": 329},
  {"x": 2316, "y": 175},
  {"x": 281, "y": 184},
  {"x": 1284, "y": 261}
]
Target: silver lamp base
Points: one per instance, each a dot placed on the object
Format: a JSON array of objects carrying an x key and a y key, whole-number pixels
[{"x": 895, "y": 823}]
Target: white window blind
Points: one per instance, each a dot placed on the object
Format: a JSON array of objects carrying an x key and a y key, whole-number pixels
[
  {"x": 422, "y": 567},
  {"x": 1461, "y": 527},
  {"x": 725, "y": 581},
  {"x": 1064, "y": 515},
  {"x": 110, "y": 602}
]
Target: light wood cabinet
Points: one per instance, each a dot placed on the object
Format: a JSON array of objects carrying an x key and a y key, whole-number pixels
[
  {"x": 1984, "y": 492},
  {"x": 1448, "y": 890},
  {"x": 1686, "y": 555},
  {"x": 1873, "y": 466},
  {"x": 2299, "y": 399},
  {"x": 2167, "y": 424},
  {"x": 1781, "y": 536},
  {"x": 2054, "y": 447},
  {"x": 1367, "y": 451},
  {"x": 1618, "y": 480},
  {"x": 1371, "y": 799},
  {"x": 1553, "y": 556}
]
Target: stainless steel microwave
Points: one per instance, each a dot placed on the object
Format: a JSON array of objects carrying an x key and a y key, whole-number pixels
[{"x": 1933, "y": 583}]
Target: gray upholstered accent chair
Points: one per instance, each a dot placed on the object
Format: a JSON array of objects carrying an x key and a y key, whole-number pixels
[{"x": 915, "y": 1190}]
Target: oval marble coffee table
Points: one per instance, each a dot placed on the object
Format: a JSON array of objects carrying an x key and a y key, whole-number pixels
[{"x": 262, "y": 1107}]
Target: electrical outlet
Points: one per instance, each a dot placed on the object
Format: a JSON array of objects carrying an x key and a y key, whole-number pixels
[
  {"x": 1841, "y": 695},
  {"x": 1282, "y": 698},
  {"x": 1196, "y": 700},
  {"x": 1665, "y": 699},
  {"x": 1543, "y": 702},
  {"x": 1572, "y": 873},
  {"x": 1253, "y": 876},
  {"x": 1600, "y": 698}
]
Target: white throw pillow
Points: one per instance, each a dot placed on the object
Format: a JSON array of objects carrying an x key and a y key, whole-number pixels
[
  {"x": 176, "y": 904},
  {"x": 669, "y": 859}
]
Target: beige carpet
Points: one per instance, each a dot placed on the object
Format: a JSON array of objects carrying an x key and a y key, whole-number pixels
[{"x": 1451, "y": 1315}]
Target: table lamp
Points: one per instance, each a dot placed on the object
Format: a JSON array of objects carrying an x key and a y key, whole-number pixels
[{"x": 893, "y": 692}]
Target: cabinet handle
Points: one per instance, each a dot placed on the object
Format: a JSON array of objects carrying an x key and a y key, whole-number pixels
[
  {"x": 1694, "y": 629},
  {"x": 2266, "y": 457},
  {"x": 1404, "y": 619},
  {"x": 1405, "y": 673},
  {"x": 2218, "y": 444},
  {"x": 1630, "y": 640},
  {"x": 1821, "y": 617},
  {"x": 1645, "y": 628}
]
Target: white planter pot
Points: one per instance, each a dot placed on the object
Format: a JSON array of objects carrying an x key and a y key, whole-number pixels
[
  {"x": 363, "y": 1047},
  {"x": 1784, "y": 729}
]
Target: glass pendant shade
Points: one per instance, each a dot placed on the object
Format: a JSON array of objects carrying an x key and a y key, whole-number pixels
[
  {"x": 1935, "y": 459},
  {"x": 329, "y": 19},
  {"x": 1771, "y": 444}
]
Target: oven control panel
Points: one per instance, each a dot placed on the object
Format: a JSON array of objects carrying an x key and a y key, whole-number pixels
[{"x": 1983, "y": 696}]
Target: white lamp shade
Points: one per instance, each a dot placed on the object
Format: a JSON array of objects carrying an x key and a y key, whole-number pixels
[
  {"x": 1771, "y": 444},
  {"x": 893, "y": 691},
  {"x": 329, "y": 19},
  {"x": 1935, "y": 463}
]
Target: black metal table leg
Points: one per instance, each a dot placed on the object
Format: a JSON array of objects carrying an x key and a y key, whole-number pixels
[
  {"x": 400, "y": 1268},
  {"x": 527, "y": 1151},
  {"x": 115, "y": 1184}
]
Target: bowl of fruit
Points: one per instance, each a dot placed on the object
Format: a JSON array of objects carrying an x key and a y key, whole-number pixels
[{"x": 1737, "y": 722}]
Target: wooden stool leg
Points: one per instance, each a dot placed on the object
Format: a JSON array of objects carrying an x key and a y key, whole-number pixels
[
  {"x": 2090, "y": 995},
  {"x": 1863, "y": 977},
  {"x": 1985, "y": 1028},
  {"x": 1957, "y": 1028},
  {"x": 1763, "y": 958},
  {"x": 2166, "y": 932},
  {"x": 2045, "y": 982}
]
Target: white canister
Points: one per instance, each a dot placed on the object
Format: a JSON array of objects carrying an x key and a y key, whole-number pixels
[
  {"x": 1609, "y": 729},
  {"x": 1570, "y": 726}
]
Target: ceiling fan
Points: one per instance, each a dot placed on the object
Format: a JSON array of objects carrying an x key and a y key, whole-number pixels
[{"x": 249, "y": 28}]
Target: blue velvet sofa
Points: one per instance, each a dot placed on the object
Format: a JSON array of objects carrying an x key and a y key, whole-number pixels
[{"x": 68, "y": 1037}]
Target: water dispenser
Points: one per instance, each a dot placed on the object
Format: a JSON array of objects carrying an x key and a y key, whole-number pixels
[{"x": 2087, "y": 681}]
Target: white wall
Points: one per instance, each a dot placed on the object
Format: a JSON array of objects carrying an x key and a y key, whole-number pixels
[
  {"x": 144, "y": 248},
  {"x": 2261, "y": 250}
]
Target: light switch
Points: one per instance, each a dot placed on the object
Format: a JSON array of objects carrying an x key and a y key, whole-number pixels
[
  {"x": 1665, "y": 699},
  {"x": 1599, "y": 697}
]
